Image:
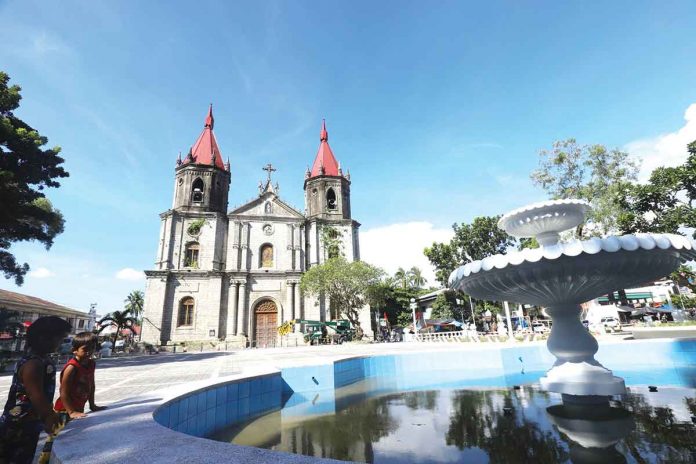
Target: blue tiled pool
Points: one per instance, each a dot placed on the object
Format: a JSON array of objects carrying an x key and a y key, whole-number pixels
[{"x": 312, "y": 390}]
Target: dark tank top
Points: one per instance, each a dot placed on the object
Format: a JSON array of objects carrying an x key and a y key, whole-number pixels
[{"x": 18, "y": 407}]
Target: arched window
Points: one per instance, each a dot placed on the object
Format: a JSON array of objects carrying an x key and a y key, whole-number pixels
[
  {"x": 191, "y": 256},
  {"x": 331, "y": 199},
  {"x": 197, "y": 190},
  {"x": 266, "y": 255},
  {"x": 185, "y": 312}
]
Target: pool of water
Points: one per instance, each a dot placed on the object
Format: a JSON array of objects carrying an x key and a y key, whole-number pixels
[{"x": 367, "y": 423}]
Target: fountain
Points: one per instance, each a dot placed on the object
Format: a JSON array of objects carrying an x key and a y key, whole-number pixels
[{"x": 561, "y": 276}]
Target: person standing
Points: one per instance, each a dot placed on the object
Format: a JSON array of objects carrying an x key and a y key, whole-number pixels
[
  {"x": 77, "y": 378},
  {"x": 28, "y": 408}
]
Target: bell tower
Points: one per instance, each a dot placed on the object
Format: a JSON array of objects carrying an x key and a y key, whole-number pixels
[
  {"x": 327, "y": 189},
  {"x": 202, "y": 180},
  {"x": 327, "y": 204},
  {"x": 184, "y": 291}
]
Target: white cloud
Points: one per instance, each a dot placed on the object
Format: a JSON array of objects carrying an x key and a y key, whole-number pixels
[
  {"x": 666, "y": 149},
  {"x": 129, "y": 273},
  {"x": 401, "y": 245},
  {"x": 41, "y": 273}
]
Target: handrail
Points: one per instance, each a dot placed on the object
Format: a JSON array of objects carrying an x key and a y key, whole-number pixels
[{"x": 459, "y": 336}]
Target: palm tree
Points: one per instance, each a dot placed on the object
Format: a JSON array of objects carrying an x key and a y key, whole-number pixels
[
  {"x": 134, "y": 303},
  {"x": 121, "y": 319},
  {"x": 416, "y": 277},
  {"x": 402, "y": 277}
]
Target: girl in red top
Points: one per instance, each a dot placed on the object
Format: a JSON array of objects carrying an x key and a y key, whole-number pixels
[{"x": 77, "y": 378}]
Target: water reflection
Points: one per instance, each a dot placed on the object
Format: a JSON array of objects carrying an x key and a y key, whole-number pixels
[{"x": 483, "y": 426}]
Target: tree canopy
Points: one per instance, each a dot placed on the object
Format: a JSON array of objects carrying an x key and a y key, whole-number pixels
[
  {"x": 587, "y": 172},
  {"x": 665, "y": 204},
  {"x": 471, "y": 242},
  {"x": 347, "y": 285},
  {"x": 26, "y": 168}
]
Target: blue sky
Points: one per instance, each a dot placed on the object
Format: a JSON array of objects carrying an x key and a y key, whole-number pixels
[{"x": 438, "y": 109}]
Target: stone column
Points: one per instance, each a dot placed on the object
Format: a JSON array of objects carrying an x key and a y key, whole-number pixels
[
  {"x": 233, "y": 254},
  {"x": 241, "y": 307},
  {"x": 297, "y": 308},
  {"x": 245, "y": 247},
  {"x": 288, "y": 313},
  {"x": 297, "y": 245},
  {"x": 232, "y": 311}
]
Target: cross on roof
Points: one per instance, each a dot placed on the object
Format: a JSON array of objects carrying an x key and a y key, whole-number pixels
[{"x": 269, "y": 168}]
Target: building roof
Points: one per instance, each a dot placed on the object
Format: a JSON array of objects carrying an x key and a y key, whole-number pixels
[
  {"x": 432, "y": 295},
  {"x": 206, "y": 151},
  {"x": 325, "y": 163},
  {"x": 18, "y": 301}
]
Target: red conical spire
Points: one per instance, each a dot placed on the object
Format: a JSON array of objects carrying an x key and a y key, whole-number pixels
[
  {"x": 325, "y": 163},
  {"x": 205, "y": 150},
  {"x": 323, "y": 135},
  {"x": 209, "y": 120}
]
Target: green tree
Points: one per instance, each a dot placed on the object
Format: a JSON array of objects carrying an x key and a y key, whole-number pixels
[
  {"x": 134, "y": 303},
  {"x": 332, "y": 239},
  {"x": 665, "y": 204},
  {"x": 416, "y": 278},
  {"x": 121, "y": 319},
  {"x": 26, "y": 168},
  {"x": 588, "y": 172},
  {"x": 471, "y": 242},
  {"x": 442, "y": 308},
  {"x": 347, "y": 285}
]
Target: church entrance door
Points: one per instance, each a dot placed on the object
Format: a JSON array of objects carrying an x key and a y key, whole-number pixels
[{"x": 266, "y": 324}]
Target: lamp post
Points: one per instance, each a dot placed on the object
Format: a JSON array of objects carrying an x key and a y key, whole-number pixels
[
  {"x": 413, "y": 312},
  {"x": 471, "y": 305},
  {"x": 460, "y": 307},
  {"x": 509, "y": 321}
]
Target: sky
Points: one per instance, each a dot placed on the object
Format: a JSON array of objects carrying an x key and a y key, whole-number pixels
[{"x": 437, "y": 109}]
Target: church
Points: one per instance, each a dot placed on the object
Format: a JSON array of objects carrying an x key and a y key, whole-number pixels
[{"x": 235, "y": 275}]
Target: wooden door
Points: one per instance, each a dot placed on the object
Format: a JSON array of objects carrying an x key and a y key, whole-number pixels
[{"x": 266, "y": 324}]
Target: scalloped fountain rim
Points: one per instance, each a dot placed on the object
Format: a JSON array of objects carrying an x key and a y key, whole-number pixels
[
  {"x": 507, "y": 217},
  {"x": 592, "y": 246}
]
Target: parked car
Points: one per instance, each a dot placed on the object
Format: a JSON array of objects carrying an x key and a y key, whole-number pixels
[
  {"x": 611, "y": 323},
  {"x": 539, "y": 327}
]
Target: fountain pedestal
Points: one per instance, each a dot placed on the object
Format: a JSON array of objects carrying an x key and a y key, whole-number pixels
[{"x": 576, "y": 372}]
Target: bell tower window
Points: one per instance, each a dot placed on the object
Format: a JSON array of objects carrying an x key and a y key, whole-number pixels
[
  {"x": 191, "y": 256},
  {"x": 197, "y": 191},
  {"x": 331, "y": 199}
]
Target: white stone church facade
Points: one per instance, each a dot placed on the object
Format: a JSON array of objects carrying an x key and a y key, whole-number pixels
[{"x": 235, "y": 275}]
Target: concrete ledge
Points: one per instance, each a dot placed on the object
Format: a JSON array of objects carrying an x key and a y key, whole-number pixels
[
  {"x": 641, "y": 333},
  {"x": 126, "y": 432}
]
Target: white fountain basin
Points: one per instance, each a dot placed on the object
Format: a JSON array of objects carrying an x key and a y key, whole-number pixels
[
  {"x": 561, "y": 277},
  {"x": 545, "y": 220},
  {"x": 573, "y": 272}
]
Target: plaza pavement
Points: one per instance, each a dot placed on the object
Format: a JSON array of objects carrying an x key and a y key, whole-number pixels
[{"x": 125, "y": 377}]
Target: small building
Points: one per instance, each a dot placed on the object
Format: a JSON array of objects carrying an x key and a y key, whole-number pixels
[
  {"x": 30, "y": 308},
  {"x": 425, "y": 302}
]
